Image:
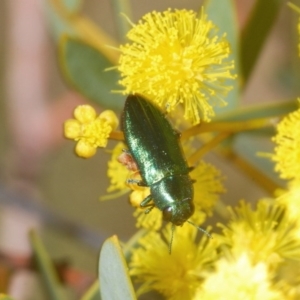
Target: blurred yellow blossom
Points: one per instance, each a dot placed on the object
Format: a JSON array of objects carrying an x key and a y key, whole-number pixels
[
  {"x": 238, "y": 279},
  {"x": 290, "y": 199},
  {"x": 207, "y": 188},
  {"x": 265, "y": 234},
  {"x": 289, "y": 283},
  {"x": 151, "y": 221},
  {"x": 287, "y": 150},
  {"x": 116, "y": 172},
  {"x": 88, "y": 130},
  {"x": 176, "y": 57},
  {"x": 176, "y": 276}
]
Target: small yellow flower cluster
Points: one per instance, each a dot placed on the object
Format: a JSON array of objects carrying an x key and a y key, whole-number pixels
[
  {"x": 287, "y": 150},
  {"x": 238, "y": 279},
  {"x": 264, "y": 234},
  {"x": 177, "y": 58},
  {"x": 290, "y": 199},
  {"x": 89, "y": 130},
  {"x": 176, "y": 276},
  {"x": 287, "y": 158},
  {"x": 207, "y": 189},
  {"x": 116, "y": 172}
]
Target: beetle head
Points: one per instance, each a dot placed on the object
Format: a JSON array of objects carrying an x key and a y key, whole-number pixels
[
  {"x": 173, "y": 195},
  {"x": 179, "y": 212}
]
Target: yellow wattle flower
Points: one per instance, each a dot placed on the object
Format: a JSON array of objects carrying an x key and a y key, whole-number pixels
[
  {"x": 207, "y": 188},
  {"x": 264, "y": 234},
  {"x": 176, "y": 58},
  {"x": 176, "y": 276},
  {"x": 290, "y": 200},
  {"x": 238, "y": 279},
  {"x": 116, "y": 172},
  {"x": 151, "y": 221},
  {"x": 287, "y": 150},
  {"x": 89, "y": 130}
]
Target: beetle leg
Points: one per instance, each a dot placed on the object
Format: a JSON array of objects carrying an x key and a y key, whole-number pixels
[
  {"x": 136, "y": 181},
  {"x": 146, "y": 201},
  {"x": 149, "y": 209},
  {"x": 142, "y": 183}
]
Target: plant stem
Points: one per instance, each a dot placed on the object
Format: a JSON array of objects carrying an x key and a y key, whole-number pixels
[
  {"x": 117, "y": 135},
  {"x": 207, "y": 147},
  {"x": 229, "y": 127},
  {"x": 261, "y": 179}
]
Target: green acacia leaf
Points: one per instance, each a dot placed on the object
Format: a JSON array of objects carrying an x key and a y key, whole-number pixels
[
  {"x": 114, "y": 278},
  {"x": 255, "y": 33},
  {"x": 223, "y": 14},
  {"x": 84, "y": 68},
  {"x": 93, "y": 293},
  {"x": 49, "y": 275}
]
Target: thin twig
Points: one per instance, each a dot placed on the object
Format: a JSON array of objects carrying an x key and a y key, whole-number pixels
[{"x": 207, "y": 147}]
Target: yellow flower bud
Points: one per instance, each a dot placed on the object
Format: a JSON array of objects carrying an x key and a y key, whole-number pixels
[
  {"x": 111, "y": 118},
  {"x": 72, "y": 129},
  {"x": 84, "y": 149},
  {"x": 85, "y": 113},
  {"x": 89, "y": 130}
]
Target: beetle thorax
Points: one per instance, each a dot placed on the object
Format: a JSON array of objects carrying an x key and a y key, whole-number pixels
[{"x": 173, "y": 195}]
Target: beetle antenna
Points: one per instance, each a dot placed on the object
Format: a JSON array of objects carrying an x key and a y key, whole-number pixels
[
  {"x": 171, "y": 241},
  {"x": 201, "y": 229}
]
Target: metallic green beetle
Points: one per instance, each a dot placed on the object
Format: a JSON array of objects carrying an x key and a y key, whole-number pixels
[{"x": 155, "y": 147}]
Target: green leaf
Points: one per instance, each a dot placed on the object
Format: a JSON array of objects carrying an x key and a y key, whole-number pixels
[
  {"x": 223, "y": 15},
  {"x": 93, "y": 293},
  {"x": 54, "y": 288},
  {"x": 255, "y": 33},
  {"x": 75, "y": 24},
  {"x": 84, "y": 67},
  {"x": 114, "y": 278}
]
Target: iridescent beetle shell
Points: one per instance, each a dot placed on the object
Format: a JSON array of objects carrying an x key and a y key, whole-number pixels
[{"x": 156, "y": 149}]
